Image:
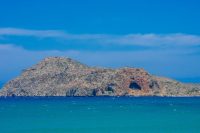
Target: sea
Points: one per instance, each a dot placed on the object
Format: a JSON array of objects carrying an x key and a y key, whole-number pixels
[{"x": 100, "y": 115}]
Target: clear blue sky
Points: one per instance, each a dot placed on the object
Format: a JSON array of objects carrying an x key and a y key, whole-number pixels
[{"x": 162, "y": 36}]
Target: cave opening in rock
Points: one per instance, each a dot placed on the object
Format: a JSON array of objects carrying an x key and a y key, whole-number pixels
[{"x": 134, "y": 85}]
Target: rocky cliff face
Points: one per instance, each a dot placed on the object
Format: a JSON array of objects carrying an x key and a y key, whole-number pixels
[{"x": 56, "y": 76}]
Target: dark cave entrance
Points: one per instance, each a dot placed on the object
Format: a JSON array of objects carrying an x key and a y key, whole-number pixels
[{"x": 133, "y": 85}]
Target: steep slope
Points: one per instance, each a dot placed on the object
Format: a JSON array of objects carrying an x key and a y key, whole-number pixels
[{"x": 56, "y": 76}]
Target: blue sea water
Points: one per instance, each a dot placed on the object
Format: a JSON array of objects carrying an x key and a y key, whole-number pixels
[{"x": 100, "y": 115}]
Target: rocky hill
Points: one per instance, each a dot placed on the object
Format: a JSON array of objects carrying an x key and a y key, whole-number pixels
[{"x": 56, "y": 76}]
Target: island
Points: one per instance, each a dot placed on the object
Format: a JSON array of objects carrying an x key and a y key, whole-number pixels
[{"x": 60, "y": 76}]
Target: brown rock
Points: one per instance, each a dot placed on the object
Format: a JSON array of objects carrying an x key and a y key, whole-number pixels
[{"x": 56, "y": 76}]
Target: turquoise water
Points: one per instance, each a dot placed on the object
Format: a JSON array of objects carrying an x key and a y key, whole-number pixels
[{"x": 100, "y": 115}]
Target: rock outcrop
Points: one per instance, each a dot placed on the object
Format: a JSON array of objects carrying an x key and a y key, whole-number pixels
[{"x": 56, "y": 76}]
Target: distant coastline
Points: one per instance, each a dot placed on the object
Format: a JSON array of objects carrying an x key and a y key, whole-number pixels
[{"x": 59, "y": 76}]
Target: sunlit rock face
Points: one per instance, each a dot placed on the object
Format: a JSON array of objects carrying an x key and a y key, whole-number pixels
[{"x": 56, "y": 76}]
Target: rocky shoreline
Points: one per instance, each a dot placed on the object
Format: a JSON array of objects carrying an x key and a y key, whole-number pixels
[{"x": 58, "y": 76}]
